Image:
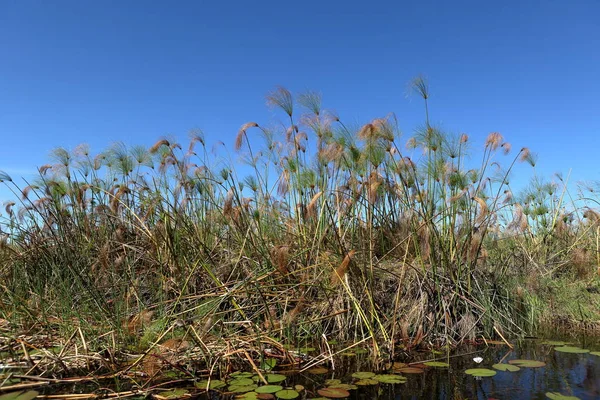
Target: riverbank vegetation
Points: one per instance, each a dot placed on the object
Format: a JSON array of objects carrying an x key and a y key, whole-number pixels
[{"x": 327, "y": 233}]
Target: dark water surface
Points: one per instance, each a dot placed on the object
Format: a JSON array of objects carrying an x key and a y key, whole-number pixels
[
  {"x": 565, "y": 373},
  {"x": 568, "y": 374}
]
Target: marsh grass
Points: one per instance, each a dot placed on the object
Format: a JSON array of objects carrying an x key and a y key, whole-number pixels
[{"x": 337, "y": 233}]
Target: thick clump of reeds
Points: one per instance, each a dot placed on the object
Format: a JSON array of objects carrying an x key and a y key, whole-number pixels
[{"x": 350, "y": 233}]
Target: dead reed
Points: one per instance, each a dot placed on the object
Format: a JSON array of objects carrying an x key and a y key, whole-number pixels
[{"x": 350, "y": 233}]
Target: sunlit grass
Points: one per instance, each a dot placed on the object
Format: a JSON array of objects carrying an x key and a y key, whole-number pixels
[{"x": 348, "y": 233}]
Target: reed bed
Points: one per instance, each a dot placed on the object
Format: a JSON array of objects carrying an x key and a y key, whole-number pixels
[{"x": 327, "y": 232}]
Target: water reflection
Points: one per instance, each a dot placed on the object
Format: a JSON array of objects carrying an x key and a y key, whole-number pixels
[{"x": 569, "y": 374}]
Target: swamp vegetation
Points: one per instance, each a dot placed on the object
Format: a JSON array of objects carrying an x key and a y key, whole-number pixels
[{"x": 328, "y": 232}]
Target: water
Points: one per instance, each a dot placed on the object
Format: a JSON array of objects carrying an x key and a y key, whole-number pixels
[
  {"x": 565, "y": 373},
  {"x": 568, "y": 374}
]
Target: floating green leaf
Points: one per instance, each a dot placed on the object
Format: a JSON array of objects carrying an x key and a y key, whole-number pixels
[
  {"x": 22, "y": 395},
  {"x": 595, "y": 353},
  {"x": 317, "y": 370},
  {"x": 437, "y": 364},
  {"x": 558, "y": 396},
  {"x": 363, "y": 375},
  {"x": 268, "y": 389},
  {"x": 571, "y": 349},
  {"x": 365, "y": 382},
  {"x": 344, "y": 386},
  {"x": 274, "y": 378},
  {"x": 330, "y": 382},
  {"x": 248, "y": 396},
  {"x": 411, "y": 370},
  {"x": 334, "y": 393},
  {"x": 554, "y": 342},
  {"x": 506, "y": 367},
  {"x": 527, "y": 363},
  {"x": 397, "y": 365},
  {"x": 287, "y": 394},
  {"x": 241, "y": 382},
  {"x": 390, "y": 378},
  {"x": 171, "y": 394},
  {"x": 214, "y": 384},
  {"x": 480, "y": 372},
  {"x": 241, "y": 374},
  {"x": 241, "y": 388}
]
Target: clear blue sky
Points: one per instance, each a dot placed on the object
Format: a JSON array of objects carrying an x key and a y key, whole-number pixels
[{"x": 105, "y": 71}]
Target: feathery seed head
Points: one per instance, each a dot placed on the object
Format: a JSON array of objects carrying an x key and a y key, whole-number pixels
[
  {"x": 421, "y": 87},
  {"x": 239, "y": 139},
  {"x": 156, "y": 146},
  {"x": 312, "y": 101},
  {"x": 44, "y": 169},
  {"x": 8, "y": 207},
  {"x": 282, "y": 98},
  {"x": 493, "y": 140},
  {"x": 367, "y": 131}
]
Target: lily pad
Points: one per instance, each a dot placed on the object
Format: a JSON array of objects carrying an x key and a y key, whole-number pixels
[
  {"x": 595, "y": 353},
  {"x": 527, "y": 363},
  {"x": 363, "y": 375},
  {"x": 242, "y": 388},
  {"x": 241, "y": 374},
  {"x": 213, "y": 384},
  {"x": 554, "y": 342},
  {"x": 390, "y": 378},
  {"x": 330, "y": 382},
  {"x": 506, "y": 367},
  {"x": 345, "y": 386},
  {"x": 366, "y": 382},
  {"x": 274, "y": 378},
  {"x": 411, "y": 370},
  {"x": 22, "y": 395},
  {"x": 171, "y": 394},
  {"x": 287, "y": 394},
  {"x": 248, "y": 396},
  {"x": 558, "y": 396},
  {"x": 334, "y": 393},
  {"x": 480, "y": 372},
  {"x": 268, "y": 389},
  {"x": 437, "y": 364},
  {"x": 571, "y": 349},
  {"x": 317, "y": 370},
  {"x": 241, "y": 382},
  {"x": 397, "y": 365}
]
